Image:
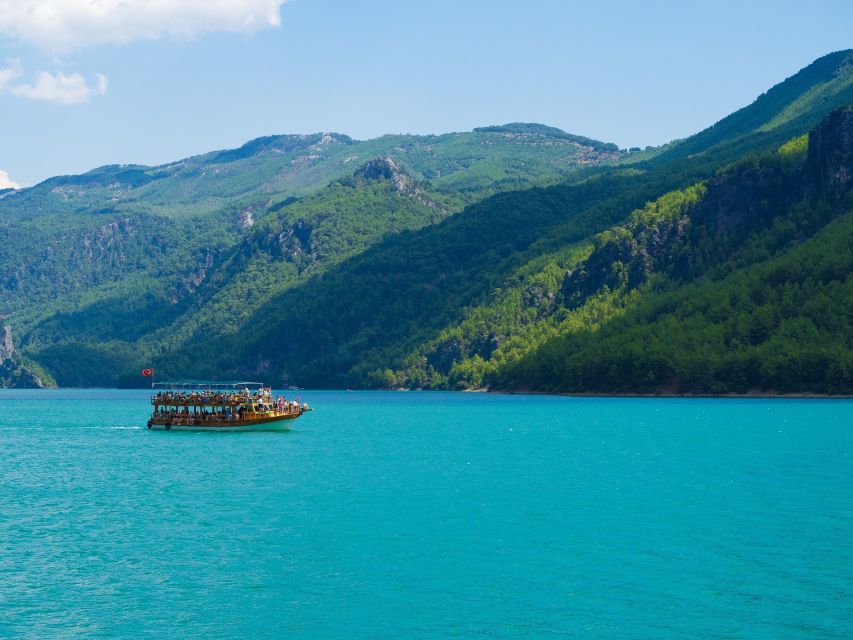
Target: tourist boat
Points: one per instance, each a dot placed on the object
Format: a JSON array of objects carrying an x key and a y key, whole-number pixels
[{"x": 221, "y": 406}]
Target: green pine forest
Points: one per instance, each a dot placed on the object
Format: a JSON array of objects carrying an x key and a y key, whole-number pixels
[{"x": 516, "y": 257}]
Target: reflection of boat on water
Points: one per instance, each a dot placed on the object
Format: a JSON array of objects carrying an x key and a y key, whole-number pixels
[{"x": 221, "y": 406}]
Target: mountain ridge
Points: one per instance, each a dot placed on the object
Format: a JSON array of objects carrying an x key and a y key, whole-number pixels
[
  {"x": 418, "y": 262},
  {"x": 819, "y": 87},
  {"x": 269, "y": 144}
]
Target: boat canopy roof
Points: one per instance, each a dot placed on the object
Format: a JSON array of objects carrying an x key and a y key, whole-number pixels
[{"x": 200, "y": 385}]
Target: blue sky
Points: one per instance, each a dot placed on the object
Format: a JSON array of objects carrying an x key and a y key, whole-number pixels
[{"x": 85, "y": 83}]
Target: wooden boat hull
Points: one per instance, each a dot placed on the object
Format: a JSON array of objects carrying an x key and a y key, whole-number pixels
[{"x": 273, "y": 423}]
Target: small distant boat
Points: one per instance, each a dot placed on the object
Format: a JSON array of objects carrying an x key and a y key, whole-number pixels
[{"x": 221, "y": 406}]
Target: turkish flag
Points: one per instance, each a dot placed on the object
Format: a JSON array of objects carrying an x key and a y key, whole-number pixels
[{"x": 148, "y": 372}]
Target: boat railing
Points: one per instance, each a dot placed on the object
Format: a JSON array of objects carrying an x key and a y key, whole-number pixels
[
  {"x": 191, "y": 400},
  {"x": 184, "y": 418}
]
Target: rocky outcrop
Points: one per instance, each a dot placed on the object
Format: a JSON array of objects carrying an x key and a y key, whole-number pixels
[
  {"x": 7, "y": 350},
  {"x": 830, "y": 157},
  {"x": 295, "y": 241},
  {"x": 246, "y": 218},
  {"x": 14, "y": 373},
  {"x": 384, "y": 169},
  {"x": 684, "y": 241}
]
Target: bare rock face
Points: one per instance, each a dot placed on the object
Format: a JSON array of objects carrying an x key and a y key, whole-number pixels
[
  {"x": 246, "y": 218},
  {"x": 385, "y": 169},
  {"x": 734, "y": 204},
  {"x": 379, "y": 169},
  {"x": 13, "y": 373},
  {"x": 830, "y": 156},
  {"x": 7, "y": 350}
]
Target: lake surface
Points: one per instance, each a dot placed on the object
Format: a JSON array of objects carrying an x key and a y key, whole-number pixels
[{"x": 429, "y": 515}]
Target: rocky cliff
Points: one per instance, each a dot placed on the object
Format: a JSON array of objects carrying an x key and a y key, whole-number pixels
[
  {"x": 683, "y": 234},
  {"x": 830, "y": 158},
  {"x": 15, "y": 372}
]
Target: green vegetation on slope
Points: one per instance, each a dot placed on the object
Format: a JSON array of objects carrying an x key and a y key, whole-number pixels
[
  {"x": 749, "y": 288},
  {"x": 780, "y": 325},
  {"x": 783, "y": 112},
  {"x": 116, "y": 260},
  {"x": 393, "y": 315},
  {"x": 298, "y": 239},
  {"x": 436, "y": 266},
  {"x": 296, "y": 165},
  {"x": 342, "y": 326}
]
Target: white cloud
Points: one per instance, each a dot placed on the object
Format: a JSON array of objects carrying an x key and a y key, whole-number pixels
[
  {"x": 58, "y": 87},
  {"x": 10, "y": 73},
  {"x": 6, "y": 182},
  {"x": 66, "y": 25},
  {"x": 101, "y": 84}
]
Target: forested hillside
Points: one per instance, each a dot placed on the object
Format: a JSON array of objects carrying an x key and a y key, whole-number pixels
[
  {"x": 71, "y": 233},
  {"x": 293, "y": 241},
  {"x": 742, "y": 283},
  {"x": 457, "y": 304},
  {"x": 104, "y": 269},
  {"x": 435, "y": 263}
]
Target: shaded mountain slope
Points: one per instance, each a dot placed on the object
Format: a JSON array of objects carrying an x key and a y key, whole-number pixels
[
  {"x": 748, "y": 286},
  {"x": 400, "y": 291},
  {"x": 69, "y": 239},
  {"x": 291, "y": 243},
  {"x": 421, "y": 309}
]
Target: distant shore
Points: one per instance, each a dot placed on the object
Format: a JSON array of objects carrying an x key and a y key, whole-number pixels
[
  {"x": 530, "y": 392},
  {"x": 664, "y": 394}
]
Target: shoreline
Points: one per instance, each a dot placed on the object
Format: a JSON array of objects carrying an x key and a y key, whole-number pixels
[
  {"x": 663, "y": 394},
  {"x": 530, "y": 392}
]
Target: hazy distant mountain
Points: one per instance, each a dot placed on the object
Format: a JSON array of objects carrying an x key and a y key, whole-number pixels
[{"x": 495, "y": 157}]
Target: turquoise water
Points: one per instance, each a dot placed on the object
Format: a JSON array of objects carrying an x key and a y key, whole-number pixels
[{"x": 429, "y": 515}]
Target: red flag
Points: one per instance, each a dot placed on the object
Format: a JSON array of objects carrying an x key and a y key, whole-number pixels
[{"x": 148, "y": 372}]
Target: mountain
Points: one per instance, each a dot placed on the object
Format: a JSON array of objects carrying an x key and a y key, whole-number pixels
[
  {"x": 108, "y": 257},
  {"x": 469, "y": 303},
  {"x": 743, "y": 282},
  {"x": 785, "y": 111},
  {"x": 289, "y": 243},
  {"x": 456, "y": 303},
  {"x": 98, "y": 226},
  {"x": 509, "y": 157},
  {"x": 460, "y": 261}
]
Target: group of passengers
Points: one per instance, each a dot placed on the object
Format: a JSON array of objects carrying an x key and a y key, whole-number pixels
[
  {"x": 213, "y": 397},
  {"x": 189, "y": 417},
  {"x": 208, "y": 397},
  {"x": 283, "y": 405}
]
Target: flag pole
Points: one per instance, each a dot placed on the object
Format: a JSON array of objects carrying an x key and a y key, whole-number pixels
[{"x": 148, "y": 373}]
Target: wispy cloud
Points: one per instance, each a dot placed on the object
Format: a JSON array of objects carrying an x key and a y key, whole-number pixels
[
  {"x": 6, "y": 182},
  {"x": 61, "y": 88},
  {"x": 67, "y": 25},
  {"x": 8, "y": 74},
  {"x": 61, "y": 26}
]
